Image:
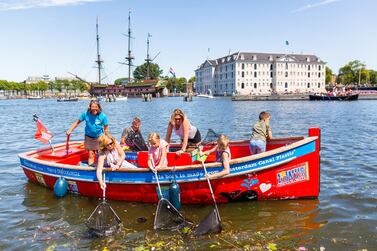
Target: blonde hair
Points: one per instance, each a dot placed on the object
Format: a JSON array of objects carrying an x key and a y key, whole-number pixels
[
  {"x": 153, "y": 137},
  {"x": 223, "y": 141},
  {"x": 102, "y": 141},
  {"x": 176, "y": 112}
]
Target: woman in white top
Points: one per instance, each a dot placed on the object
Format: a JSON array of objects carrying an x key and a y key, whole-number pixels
[
  {"x": 111, "y": 155},
  {"x": 182, "y": 128}
]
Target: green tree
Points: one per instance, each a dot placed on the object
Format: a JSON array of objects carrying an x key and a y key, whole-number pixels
[
  {"x": 192, "y": 80},
  {"x": 349, "y": 74},
  {"x": 141, "y": 71},
  {"x": 373, "y": 77},
  {"x": 120, "y": 80},
  {"x": 328, "y": 75}
]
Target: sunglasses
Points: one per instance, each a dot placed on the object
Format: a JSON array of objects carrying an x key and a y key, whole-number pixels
[
  {"x": 110, "y": 144},
  {"x": 177, "y": 118}
]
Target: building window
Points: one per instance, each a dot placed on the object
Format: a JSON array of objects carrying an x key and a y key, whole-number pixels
[
  {"x": 308, "y": 67},
  {"x": 232, "y": 74},
  {"x": 243, "y": 85},
  {"x": 319, "y": 74},
  {"x": 271, "y": 67},
  {"x": 243, "y": 66},
  {"x": 319, "y": 67},
  {"x": 286, "y": 85},
  {"x": 271, "y": 74},
  {"x": 255, "y": 85},
  {"x": 242, "y": 74},
  {"x": 271, "y": 85},
  {"x": 319, "y": 85},
  {"x": 308, "y": 74},
  {"x": 286, "y": 66},
  {"x": 255, "y": 74},
  {"x": 286, "y": 74},
  {"x": 308, "y": 85},
  {"x": 255, "y": 66}
]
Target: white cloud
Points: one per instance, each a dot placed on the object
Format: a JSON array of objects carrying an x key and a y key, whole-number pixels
[
  {"x": 29, "y": 4},
  {"x": 314, "y": 5}
]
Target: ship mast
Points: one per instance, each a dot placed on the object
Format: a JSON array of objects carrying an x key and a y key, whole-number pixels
[
  {"x": 148, "y": 59},
  {"x": 129, "y": 57},
  {"x": 98, "y": 61}
]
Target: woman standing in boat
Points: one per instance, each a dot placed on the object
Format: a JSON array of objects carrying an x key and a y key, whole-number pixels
[
  {"x": 182, "y": 127},
  {"x": 95, "y": 125}
]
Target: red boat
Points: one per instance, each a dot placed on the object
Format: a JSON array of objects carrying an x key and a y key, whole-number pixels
[{"x": 289, "y": 169}]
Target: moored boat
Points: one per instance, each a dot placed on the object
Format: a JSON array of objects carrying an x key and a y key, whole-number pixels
[
  {"x": 346, "y": 97},
  {"x": 289, "y": 169},
  {"x": 67, "y": 99},
  {"x": 34, "y": 97}
]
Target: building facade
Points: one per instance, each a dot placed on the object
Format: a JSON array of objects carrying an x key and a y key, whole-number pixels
[{"x": 247, "y": 73}]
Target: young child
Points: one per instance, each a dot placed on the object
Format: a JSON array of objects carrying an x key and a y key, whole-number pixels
[
  {"x": 261, "y": 133},
  {"x": 222, "y": 155},
  {"x": 158, "y": 149},
  {"x": 111, "y": 155}
]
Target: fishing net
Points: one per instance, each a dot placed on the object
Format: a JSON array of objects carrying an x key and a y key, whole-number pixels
[
  {"x": 210, "y": 224},
  {"x": 103, "y": 221},
  {"x": 211, "y": 136},
  {"x": 168, "y": 217}
]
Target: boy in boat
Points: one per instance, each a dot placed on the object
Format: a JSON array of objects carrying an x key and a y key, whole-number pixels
[
  {"x": 222, "y": 155},
  {"x": 158, "y": 152},
  {"x": 133, "y": 138},
  {"x": 261, "y": 133}
]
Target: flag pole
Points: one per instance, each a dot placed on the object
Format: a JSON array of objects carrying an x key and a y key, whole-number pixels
[{"x": 52, "y": 147}]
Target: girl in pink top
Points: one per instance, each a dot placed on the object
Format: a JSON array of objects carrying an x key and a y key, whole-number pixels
[{"x": 158, "y": 149}]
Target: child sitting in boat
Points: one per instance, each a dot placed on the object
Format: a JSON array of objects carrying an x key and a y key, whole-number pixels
[
  {"x": 222, "y": 155},
  {"x": 158, "y": 152},
  {"x": 111, "y": 155},
  {"x": 261, "y": 133}
]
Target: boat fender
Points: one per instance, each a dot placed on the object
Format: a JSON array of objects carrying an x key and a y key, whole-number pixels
[
  {"x": 175, "y": 195},
  {"x": 60, "y": 187}
]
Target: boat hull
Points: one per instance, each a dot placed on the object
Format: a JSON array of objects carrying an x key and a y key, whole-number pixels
[
  {"x": 337, "y": 98},
  {"x": 288, "y": 172}
]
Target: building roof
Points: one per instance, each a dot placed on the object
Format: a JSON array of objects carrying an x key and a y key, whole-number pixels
[{"x": 260, "y": 57}]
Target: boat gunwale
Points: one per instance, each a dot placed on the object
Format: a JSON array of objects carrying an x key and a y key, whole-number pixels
[{"x": 250, "y": 158}]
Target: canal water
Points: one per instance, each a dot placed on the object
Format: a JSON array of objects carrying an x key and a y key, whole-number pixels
[{"x": 344, "y": 217}]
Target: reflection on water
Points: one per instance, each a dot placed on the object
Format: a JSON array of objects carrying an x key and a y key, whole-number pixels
[{"x": 343, "y": 218}]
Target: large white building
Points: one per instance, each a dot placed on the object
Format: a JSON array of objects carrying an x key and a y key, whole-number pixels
[{"x": 248, "y": 73}]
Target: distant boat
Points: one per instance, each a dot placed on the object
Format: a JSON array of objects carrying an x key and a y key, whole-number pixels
[
  {"x": 34, "y": 97},
  {"x": 67, "y": 99},
  {"x": 121, "y": 98},
  {"x": 348, "y": 97},
  {"x": 208, "y": 95}
]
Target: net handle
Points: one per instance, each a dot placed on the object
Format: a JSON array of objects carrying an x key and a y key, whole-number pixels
[
  {"x": 155, "y": 173},
  {"x": 104, "y": 189},
  {"x": 210, "y": 188}
]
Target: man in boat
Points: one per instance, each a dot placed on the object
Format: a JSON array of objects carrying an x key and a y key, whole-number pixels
[{"x": 133, "y": 138}]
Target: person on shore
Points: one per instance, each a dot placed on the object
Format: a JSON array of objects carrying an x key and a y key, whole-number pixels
[
  {"x": 222, "y": 155},
  {"x": 96, "y": 124},
  {"x": 158, "y": 152},
  {"x": 111, "y": 155},
  {"x": 132, "y": 136},
  {"x": 261, "y": 133},
  {"x": 182, "y": 127}
]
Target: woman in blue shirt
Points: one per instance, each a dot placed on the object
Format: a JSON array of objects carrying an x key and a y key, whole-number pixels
[{"x": 95, "y": 125}]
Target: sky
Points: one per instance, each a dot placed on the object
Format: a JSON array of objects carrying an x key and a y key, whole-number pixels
[{"x": 55, "y": 37}]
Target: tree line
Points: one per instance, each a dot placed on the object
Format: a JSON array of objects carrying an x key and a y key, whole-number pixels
[
  {"x": 41, "y": 87},
  {"x": 353, "y": 73}
]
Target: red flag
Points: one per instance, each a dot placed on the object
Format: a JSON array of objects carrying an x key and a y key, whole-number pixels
[{"x": 42, "y": 134}]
